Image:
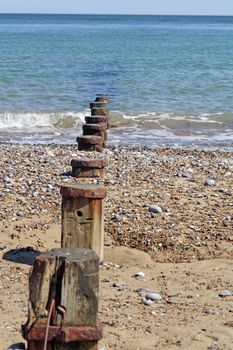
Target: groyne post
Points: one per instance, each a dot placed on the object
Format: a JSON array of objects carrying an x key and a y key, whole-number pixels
[
  {"x": 90, "y": 143},
  {"x": 83, "y": 217},
  {"x": 88, "y": 167},
  {"x": 95, "y": 129},
  {"x": 63, "y": 301}
]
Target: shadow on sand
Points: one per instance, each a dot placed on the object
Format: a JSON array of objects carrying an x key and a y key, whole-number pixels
[
  {"x": 18, "y": 346},
  {"x": 25, "y": 256}
]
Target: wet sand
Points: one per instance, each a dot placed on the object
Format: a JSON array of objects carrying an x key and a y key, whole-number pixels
[{"x": 185, "y": 249}]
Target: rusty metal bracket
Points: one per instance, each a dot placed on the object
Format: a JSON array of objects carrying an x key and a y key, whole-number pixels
[{"x": 37, "y": 332}]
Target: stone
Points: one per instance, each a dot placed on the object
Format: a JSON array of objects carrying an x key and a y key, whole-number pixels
[
  {"x": 210, "y": 182},
  {"x": 224, "y": 293},
  {"x": 116, "y": 217},
  {"x": 155, "y": 209},
  {"x": 118, "y": 285},
  {"x": 227, "y": 218},
  {"x": 139, "y": 274},
  {"x": 20, "y": 213},
  {"x": 154, "y": 296},
  {"x": 147, "y": 302}
]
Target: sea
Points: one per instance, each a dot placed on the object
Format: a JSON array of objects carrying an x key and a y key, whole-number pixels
[{"x": 169, "y": 78}]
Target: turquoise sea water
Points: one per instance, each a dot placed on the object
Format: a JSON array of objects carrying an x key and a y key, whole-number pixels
[{"x": 170, "y": 78}]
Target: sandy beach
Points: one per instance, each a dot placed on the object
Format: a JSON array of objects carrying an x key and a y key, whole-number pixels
[{"x": 168, "y": 214}]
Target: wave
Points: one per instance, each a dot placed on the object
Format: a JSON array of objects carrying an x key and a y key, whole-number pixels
[
  {"x": 70, "y": 119},
  {"x": 127, "y": 128},
  {"x": 31, "y": 120}
]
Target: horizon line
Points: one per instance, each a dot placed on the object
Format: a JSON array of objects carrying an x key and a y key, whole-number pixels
[{"x": 113, "y": 14}]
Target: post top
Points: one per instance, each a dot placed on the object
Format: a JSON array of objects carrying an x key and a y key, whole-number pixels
[
  {"x": 102, "y": 97},
  {"x": 81, "y": 254},
  {"x": 91, "y": 139},
  {"x": 89, "y": 163},
  {"x": 91, "y": 191}
]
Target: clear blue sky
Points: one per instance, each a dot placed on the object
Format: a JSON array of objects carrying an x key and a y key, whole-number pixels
[{"x": 199, "y": 7}]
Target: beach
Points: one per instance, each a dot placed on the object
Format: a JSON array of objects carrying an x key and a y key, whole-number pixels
[{"x": 168, "y": 214}]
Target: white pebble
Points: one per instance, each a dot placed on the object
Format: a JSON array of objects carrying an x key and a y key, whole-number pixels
[
  {"x": 210, "y": 182},
  {"x": 224, "y": 293},
  {"x": 147, "y": 302},
  {"x": 153, "y": 296},
  {"x": 139, "y": 274},
  {"x": 155, "y": 209}
]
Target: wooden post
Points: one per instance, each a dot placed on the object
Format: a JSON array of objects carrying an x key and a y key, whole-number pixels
[
  {"x": 100, "y": 111},
  {"x": 97, "y": 119},
  {"x": 88, "y": 167},
  {"x": 99, "y": 129},
  {"x": 83, "y": 217},
  {"x": 98, "y": 105},
  {"x": 102, "y": 98},
  {"x": 63, "y": 301},
  {"x": 90, "y": 143}
]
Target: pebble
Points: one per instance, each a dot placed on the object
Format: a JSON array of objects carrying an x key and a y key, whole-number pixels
[
  {"x": 139, "y": 274},
  {"x": 227, "y": 218},
  {"x": 224, "y": 293},
  {"x": 228, "y": 174},
  {"x": 116, "y": 217},
  {"x": 154, "y": 296},
  {"x": 150, "y": 171},
  {"x": 7, "y": 180},
  {"x": 180, "y": 173},
  {"x": 147, "y": 302},
  {"x": 210, "y": 182},
  {"x": 210, "y": 311},
  {"x": 20, "y": 213},
  {"x": 185, "y": 174},
  {"x": 155, "y": 209},
  {"x": 118, "y": 285}
]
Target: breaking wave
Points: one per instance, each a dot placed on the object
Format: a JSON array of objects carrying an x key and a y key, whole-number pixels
[{"x": 147, "y": 129}]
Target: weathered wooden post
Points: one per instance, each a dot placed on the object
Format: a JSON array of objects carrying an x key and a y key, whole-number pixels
[
  {"x": 95, "y": 129},
  {"x": 101, "y": 104},
  {"x": 90, "y": 143},
  {"x": 98, "y": 129},
  {"x": 88, "y": 167},
  {"x": 100, "y": 111},
  {"x": 98, "y": 119},
  {"x": 102, "y": 98},
  {"x": 83, "y": 217},
  {"x": 63, "y": 301}
]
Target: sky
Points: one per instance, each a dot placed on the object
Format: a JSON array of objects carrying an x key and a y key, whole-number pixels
[{"x": 197, "y": 7}]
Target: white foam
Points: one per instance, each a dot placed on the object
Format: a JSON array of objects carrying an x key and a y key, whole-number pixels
[{"x": 32, "y": 120}]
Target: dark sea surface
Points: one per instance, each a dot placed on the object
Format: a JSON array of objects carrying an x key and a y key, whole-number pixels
[{"x": 169, "y": 78}]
